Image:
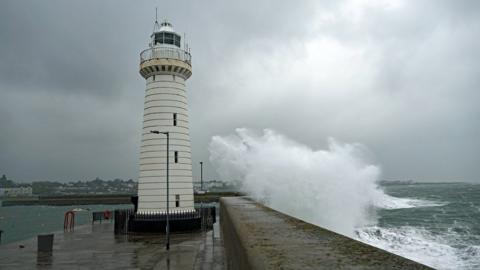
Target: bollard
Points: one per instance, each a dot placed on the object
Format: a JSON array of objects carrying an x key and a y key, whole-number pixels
[{"x": 45, "y": 242}]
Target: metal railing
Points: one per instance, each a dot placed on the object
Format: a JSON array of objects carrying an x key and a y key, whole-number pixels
[
  {"x": 165, "y": 52},
  {"x": 121, "y": 217},
  {"x": 127, "y": 221},
  {"x": 99, "y": 216},
  {"x": 172, "y": 216}
]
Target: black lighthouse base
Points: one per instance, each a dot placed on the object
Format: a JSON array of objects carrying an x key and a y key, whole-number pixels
[
  {"x": 156, "y": 223},
  {"x": 127, "y": 221}
]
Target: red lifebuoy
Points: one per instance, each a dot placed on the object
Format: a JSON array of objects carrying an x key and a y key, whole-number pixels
[
  {"x": 69, "y": 221},
  {"x": 107, "y": 214}
]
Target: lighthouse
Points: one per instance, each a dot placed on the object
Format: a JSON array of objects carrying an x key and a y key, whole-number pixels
[{"x": 166, "y": 66}]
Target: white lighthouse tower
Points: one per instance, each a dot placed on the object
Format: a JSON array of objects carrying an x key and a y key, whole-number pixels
[{"x": 166, "y": 66}]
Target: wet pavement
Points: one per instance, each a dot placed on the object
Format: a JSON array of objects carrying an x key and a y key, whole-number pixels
[{"x": 96, "y": 247}]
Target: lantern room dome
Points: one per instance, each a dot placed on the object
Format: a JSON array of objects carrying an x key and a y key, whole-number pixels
[{"x": 163, "y": 33}]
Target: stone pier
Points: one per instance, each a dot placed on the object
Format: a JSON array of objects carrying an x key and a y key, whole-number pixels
[{"x": 257, "y": 237}]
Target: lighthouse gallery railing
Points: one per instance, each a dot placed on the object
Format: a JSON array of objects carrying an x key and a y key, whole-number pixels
[{"x": 164, "y": 52}]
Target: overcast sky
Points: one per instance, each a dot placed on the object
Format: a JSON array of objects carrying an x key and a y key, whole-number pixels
[{"x": 401, "y": 77}]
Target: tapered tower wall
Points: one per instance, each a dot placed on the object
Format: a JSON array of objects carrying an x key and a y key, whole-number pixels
[{"x": 165, "y": 69}]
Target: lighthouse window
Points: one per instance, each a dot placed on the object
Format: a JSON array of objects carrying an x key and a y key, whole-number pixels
[
  {"x": 158, "y": 38},
  {"x": 174, "y": 119},
  {"x": 177, "y": 200},
  {"x": 168, "y": 38},
  {"x": 176, "y": 156},
  {"x": 153, "y": 78},
  {"x": 177, "y": 40}
]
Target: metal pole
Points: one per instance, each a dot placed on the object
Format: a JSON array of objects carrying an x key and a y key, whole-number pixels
[
  {"x": 168, "y": 192},
  {"x": 168, "y": 188},
  {"x": 201, "y": 175}
]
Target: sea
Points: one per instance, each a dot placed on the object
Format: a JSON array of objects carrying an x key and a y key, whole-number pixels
[{"x": 437, "y": 224}]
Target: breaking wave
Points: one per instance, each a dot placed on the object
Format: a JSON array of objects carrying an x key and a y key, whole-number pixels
[
  {"x": 333, "y": 187},
  {"x": 389, "y": 202},
  {"x": 413, "y": 243},
  {"x": 441, "y": 251}
]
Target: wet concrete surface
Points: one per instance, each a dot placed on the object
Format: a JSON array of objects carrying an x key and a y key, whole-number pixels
[{"x": 96, "y": 247}]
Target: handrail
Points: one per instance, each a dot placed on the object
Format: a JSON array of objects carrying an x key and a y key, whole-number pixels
[
  {"x": 69, "y": 221},
  {"x": 165, "y": 52}
]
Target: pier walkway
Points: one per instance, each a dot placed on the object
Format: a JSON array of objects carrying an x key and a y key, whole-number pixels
[{"x": 96, "y": 247}]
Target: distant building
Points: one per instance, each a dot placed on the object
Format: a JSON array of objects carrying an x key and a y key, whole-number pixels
[
  {"x": 16, "y": 191},
  {"x": 213, "y": 186}
]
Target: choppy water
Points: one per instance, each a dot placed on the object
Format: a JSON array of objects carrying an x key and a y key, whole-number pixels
[
  {"x": 436, "y": 224},
  {"x": 23, "y": 222}
]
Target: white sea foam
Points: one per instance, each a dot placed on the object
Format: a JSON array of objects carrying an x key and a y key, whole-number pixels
[
  {"x": 389, "y": 202},
  {"x": 414, "y": 243}
]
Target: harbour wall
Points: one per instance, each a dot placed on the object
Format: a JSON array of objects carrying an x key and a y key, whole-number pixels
[
  {"x": 67, "y": 200},
  {"x": 97, "y": 199},
  {"x": 257, "y": 237}
]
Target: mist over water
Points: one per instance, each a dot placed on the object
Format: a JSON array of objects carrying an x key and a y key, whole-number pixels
[{"x": 335, "y": 188}]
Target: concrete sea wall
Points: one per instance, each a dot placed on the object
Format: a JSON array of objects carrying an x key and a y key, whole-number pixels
[
  {"x": 68, "y": 200},
  {"x": 257, "y": 237}
]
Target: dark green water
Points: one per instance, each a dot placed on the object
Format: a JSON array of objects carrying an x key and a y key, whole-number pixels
[
  {"x": 436, "y": 224},
  {"x": 23, "y": 222}
]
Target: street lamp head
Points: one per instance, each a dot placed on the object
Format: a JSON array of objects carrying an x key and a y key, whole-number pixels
[{"x": 158, "y": 132}]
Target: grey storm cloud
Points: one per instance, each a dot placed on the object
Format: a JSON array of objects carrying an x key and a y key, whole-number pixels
[{"x": 399, "y": 76}]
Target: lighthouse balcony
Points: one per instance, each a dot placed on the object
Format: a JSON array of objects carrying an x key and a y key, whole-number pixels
[
  {"x": 165, "y": 60},
  {"x": 165, "y": 53}
]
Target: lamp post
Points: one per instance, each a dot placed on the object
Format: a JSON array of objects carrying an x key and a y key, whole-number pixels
[
  {"x": 168, "y": 191},
  {"x": 201, "y": 175}
]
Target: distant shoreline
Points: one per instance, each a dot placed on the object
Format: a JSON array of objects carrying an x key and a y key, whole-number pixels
[
  {"x": 410, "y": 182},
  {"x": 97, "y": 199}
]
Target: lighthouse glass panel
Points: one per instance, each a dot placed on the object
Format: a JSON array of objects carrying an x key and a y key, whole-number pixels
[
  {"x": 158, "y": 38},
  {"x": 177, "y": 40},
  {"x": 167, "y": 38}
]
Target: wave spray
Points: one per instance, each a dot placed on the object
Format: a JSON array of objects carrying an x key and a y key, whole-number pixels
[{"x": 334, "y": 188}]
